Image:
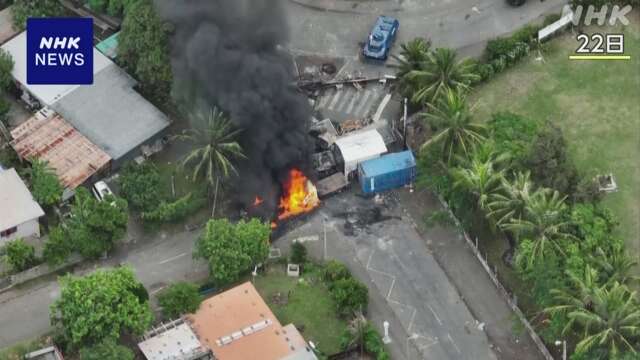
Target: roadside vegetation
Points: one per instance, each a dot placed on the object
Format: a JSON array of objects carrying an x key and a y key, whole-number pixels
[{"x": 518, "y": 169}]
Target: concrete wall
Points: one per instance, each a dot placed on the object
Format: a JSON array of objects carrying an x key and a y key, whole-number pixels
[{"x": 27, "y": 229}]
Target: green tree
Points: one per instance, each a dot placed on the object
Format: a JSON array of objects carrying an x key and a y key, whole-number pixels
[
  {"x": 412, "y": 55},
  {"x": 23, "y": 9},
  {"x": 233, "y": 249},
  {"x": 544, "y": 223},
  {"x": 179, "y": 298},
  {"x": 350, "y": 296},
  {"x": 140, "y": 185},
  {"x": 334, "y": 271},
  {"x": 215, "y": 149},
  {"x": 20, "y": 255},
  {"x": 438, "y": 75},
  {"x": 549, "y": 161},
  {"x": 607, "y": 317},
  {"x": 298, "y": 253},
  {"x": 480, "y": 178},
  {"x": 457, "y": 132},
  {"x": 95, "y": 226},
  {"x": 510, "y": 202},
  {"x": 58, "y": 247},
  {"x": 143, "y": 49},
  {"x": 513, "y": 135},
  {"x": 45, "y": 185},
  {"x": 6, "y": 66},
  {"x": 100, "y": 306},
  {"x": 107, "y": 350}
]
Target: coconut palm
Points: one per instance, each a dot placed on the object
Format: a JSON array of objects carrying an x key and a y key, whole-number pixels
[
  {"x": 480, "y": 179},
  {"x": 412, "y": 55},
  {"x": 608, "y": 319},
  {"x": 544, "y": 222},
  {"x": 510, "y": 202},
  {"x": 215, "y": 150},
  {"x": 458, "y": 133},
  {"x": 438, "y": 74},
  {"x": 615, "y": 265}
]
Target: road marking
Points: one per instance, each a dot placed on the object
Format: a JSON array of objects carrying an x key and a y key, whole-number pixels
[
  {"x": 361, "y": 105},
  {"x": 434, "y": 314},
  {"x": 171, "y": 259},
  {"x": 353, "y": 102},
  {"x": 413, "y": 316},
  {"x": 344, "y": 100},
  {"x": 335, "y": 99},
  {"x": 393, "y": 282},
  {"x": 454, "y": 343}
]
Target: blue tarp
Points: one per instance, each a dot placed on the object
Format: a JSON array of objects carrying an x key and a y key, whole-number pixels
[
  {"x": 387, "y": 172},
  {"x": 388, "y": 163}
]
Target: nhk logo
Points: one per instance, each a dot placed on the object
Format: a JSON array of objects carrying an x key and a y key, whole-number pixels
[{"x": 60, "y": 51}]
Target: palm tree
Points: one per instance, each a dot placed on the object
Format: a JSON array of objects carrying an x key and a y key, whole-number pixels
[
  {"x": 615, "y": 265},
  {"x": 412, "y": 55},
  {"x": 543, "y": 222},
  {"x": 215, "y": 149},
  {"x": 479, "y": 178},
  {"x": 608, "y": 317},
  {"x": 458, "y": 134},
  {"x": 510, "y": 202},
  {"x": 438, "y": 74}
]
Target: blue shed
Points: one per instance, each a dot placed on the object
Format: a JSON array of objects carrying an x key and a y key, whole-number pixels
[{"x": 387, "y": 172}]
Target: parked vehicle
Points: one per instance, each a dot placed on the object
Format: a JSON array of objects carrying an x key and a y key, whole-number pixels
[
  {"x": 387, "y": 172},
  {"x": 101, "y": 190},
  {"x": 381, "y": 38}
]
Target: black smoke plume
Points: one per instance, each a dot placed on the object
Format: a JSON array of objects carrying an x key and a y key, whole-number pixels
[{"x": 227, "y": 53}]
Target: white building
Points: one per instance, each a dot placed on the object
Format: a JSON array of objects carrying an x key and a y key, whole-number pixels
[{"x": 19, "y": 213}]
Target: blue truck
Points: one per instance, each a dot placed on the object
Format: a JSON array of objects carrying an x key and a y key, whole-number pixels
[
  {"x": 387, "y": 172},
  {"x": 381, "y": 38}
]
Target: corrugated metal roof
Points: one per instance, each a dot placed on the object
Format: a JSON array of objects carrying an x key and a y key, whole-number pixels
[
  {"x": 388, "y": 163},
  {"x": 17, "y": 204},
  {"x": 69, "y": 154},
  {"x": 361, "y": 145}
]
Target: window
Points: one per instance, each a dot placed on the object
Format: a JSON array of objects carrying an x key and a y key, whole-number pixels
[{"x": 8, "y": 232}]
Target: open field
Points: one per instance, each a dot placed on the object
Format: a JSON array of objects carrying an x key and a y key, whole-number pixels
[
  {"x": 597, "y": 104},
  {"x": 309, "y": 305}
]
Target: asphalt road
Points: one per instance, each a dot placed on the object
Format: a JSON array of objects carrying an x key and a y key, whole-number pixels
[
  {"x": 24, "y": 312},
  {"x": 458, "y": 24},
  {"x": 428, "y": 318}
]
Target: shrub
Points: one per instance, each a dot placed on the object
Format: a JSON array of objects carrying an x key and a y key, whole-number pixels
[
  {"x": 499, "y": 64},
  {"x": 334, "y": 271},
  {"x": 499, "y": 47},
  {"x": 20, "y": 255},
  {"x": 513, "y": 134},
  {"x": 175, "y": 211},
  {"x": 350, "y": 296},
  {"x": 107, "y": 350},
  {"x": 298, "y": 253},
  {"x": 58, "y": 247},
  {"x": 526, "y": 34},
  {"x": 550, "y": 19},
  {"x": 179, "y": 298},
  {"x": 486, "y": 71},
  {"x": 373, "y": 343},
  {"x": 140, "y": 185}
]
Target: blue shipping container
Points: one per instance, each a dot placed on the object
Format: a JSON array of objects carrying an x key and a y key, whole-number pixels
[{"x": 387, "y": 172}]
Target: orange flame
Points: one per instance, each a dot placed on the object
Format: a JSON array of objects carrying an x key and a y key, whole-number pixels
[
  {"x": 257, "y": 201},
  {"x": 300, "y": 196}
]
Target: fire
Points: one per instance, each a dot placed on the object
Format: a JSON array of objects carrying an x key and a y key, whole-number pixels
[
  {"x": 300, "y": 195},
  {"x": 257, "y": 201}
]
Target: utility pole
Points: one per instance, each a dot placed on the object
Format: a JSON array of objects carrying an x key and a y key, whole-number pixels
[{"x": 404, "y": 121}]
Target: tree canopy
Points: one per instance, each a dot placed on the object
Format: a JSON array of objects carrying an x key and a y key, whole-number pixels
[
  {"x": 143, "y": 49},
  {"x": 106, "y": 350},
  {"x": 20, "y": 255},
  {"x": 233, "y": 249},
  {"x": 140, "y": 185},
  {"x": 95, "y": 226},
  {"x": 6, "y": 66},
  {"x": 179, "y": 298},
  {"x": 100, "y": 307},
  {"x": 45, "y": 186},
  {"x": 24, "y": 9}
]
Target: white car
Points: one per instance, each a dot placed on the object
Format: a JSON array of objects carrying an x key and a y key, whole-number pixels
[{"x": 101, "y": 190}]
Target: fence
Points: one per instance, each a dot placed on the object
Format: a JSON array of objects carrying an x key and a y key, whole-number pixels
[
  {"x": 36, "y": 272},
  {"x": 503, "y": 291}
]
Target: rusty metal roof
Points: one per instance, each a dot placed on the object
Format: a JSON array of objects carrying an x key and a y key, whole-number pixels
[{"x": 69, "y": 153}]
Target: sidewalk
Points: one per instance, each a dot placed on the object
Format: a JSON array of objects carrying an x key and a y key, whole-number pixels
[{"x": 472, "y": 282}]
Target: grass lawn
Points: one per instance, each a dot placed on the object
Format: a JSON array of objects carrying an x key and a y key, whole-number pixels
[
  {"x": 597, "y": 104},
  {"x": 309, "y": 306}
]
